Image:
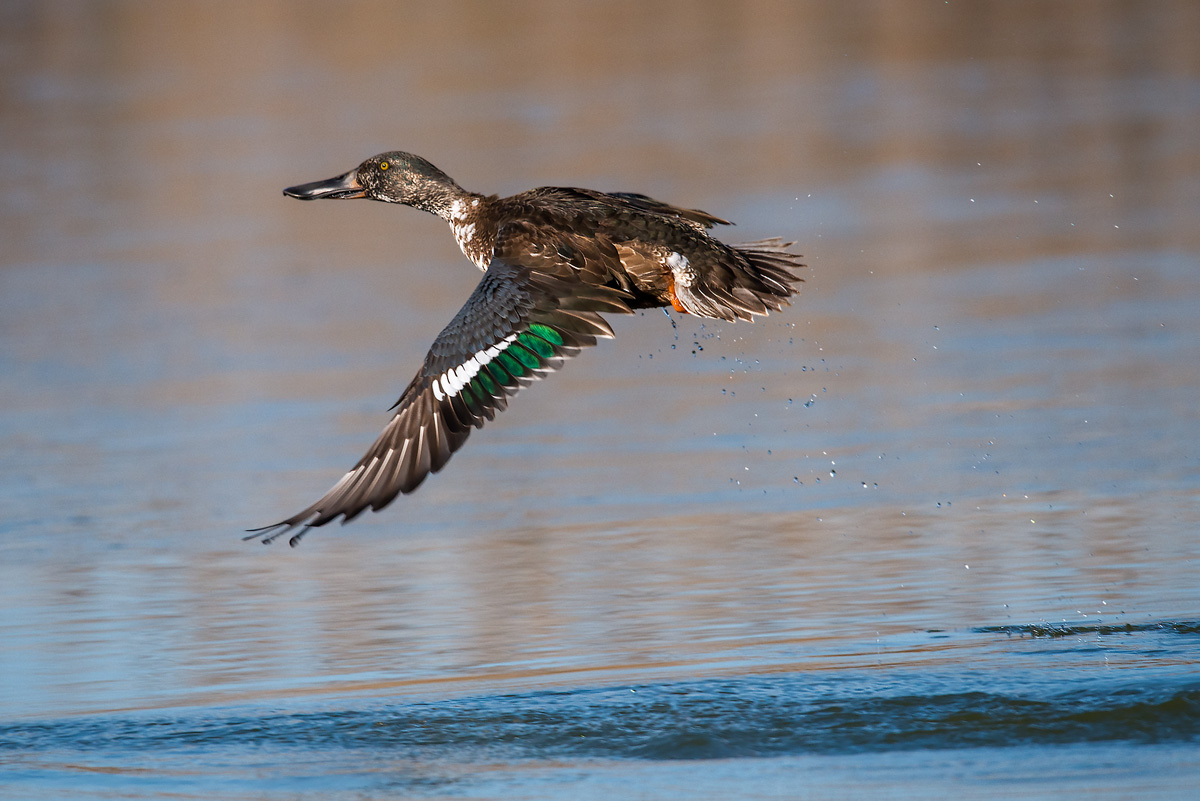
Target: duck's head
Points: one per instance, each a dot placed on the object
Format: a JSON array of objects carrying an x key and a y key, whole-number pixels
[{"x": 394, "y": 177}]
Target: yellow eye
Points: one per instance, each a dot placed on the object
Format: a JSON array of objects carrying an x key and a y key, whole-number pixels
[{"x": 383, "y": 165}]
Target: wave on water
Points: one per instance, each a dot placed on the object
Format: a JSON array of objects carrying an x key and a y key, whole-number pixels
[
  {"x": 1075, "y": 629},
  {"x": 717, "y": 718}
]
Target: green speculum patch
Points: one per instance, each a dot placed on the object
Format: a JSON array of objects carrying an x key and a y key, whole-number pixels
[
  {"x": 536, "y": 344},
  {"x": 528, "y": 358},
  {"x": 547, "y": 333},
  {"x": 498, "y": 373},
  {"x": 528, "y": 352},
  {"x": 485, "y": 381},
  {"x": 510, "y": 364},
  {"x": 471, "y": 394}
]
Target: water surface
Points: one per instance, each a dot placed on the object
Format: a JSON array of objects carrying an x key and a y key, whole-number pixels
[{"x": 931, "y": 532}]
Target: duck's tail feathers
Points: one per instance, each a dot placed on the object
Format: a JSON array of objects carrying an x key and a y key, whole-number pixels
[{"x": 768, "y": 276}]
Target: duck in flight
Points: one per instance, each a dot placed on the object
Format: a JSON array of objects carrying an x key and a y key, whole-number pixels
[{"x": 554, "y": 259}]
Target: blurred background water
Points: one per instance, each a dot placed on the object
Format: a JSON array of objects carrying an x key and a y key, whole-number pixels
[{"x": 930, "y": 532}]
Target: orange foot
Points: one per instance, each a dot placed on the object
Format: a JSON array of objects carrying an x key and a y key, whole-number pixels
[{"x": 674, "y": 298}]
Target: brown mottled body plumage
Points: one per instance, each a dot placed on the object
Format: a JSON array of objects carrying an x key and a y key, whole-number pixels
[
  {"x": 626, "y": 241},
  {"x": 554, "y": 259}
]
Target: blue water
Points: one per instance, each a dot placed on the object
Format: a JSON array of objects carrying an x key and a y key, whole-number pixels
[
  {"x": 932, "y": 532},
  {"x": 769, "y": 734}
]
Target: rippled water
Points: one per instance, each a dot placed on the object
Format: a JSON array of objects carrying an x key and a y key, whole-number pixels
[
  {"x": 797, "y": 732},
  {"x": 929, "y": 533}
]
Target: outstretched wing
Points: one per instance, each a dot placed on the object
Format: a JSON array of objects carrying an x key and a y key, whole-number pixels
[
  {"x": 519, "y": 324},
  {"x": 700, "y": 219}
]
